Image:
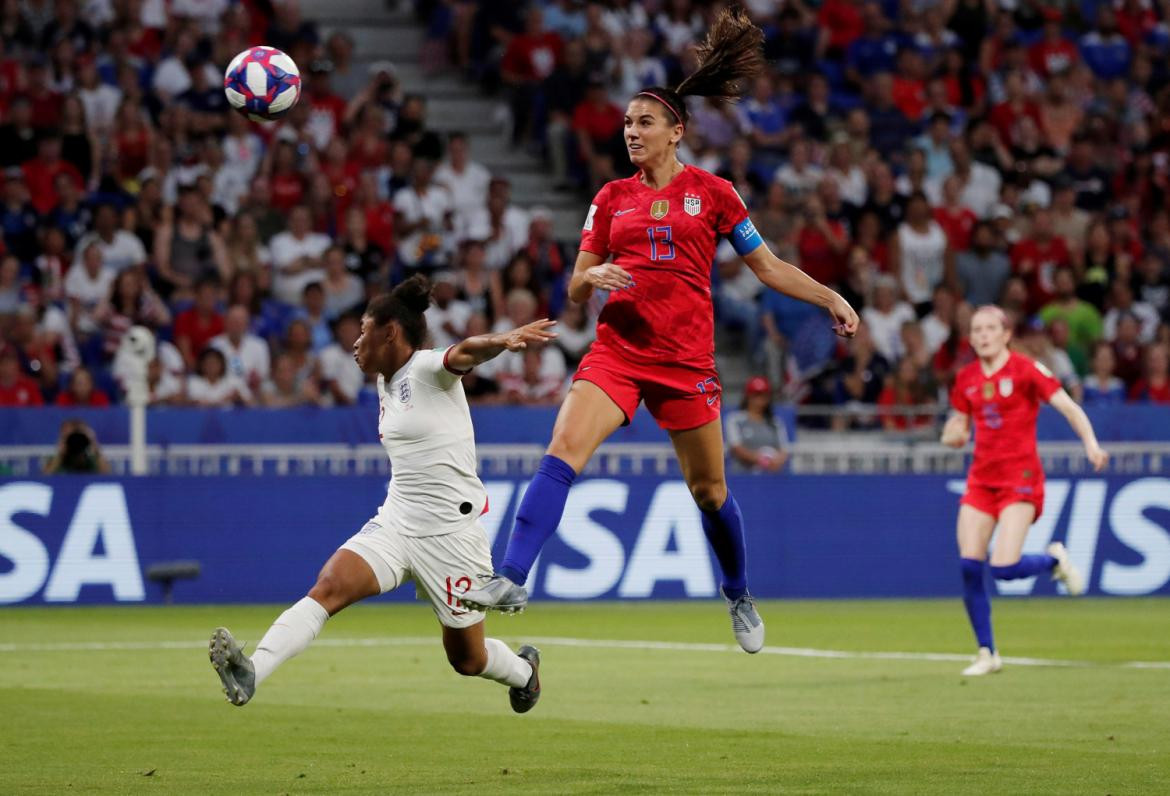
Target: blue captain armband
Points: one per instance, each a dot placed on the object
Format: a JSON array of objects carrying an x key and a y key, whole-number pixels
[{"x": 745, "y": 238}]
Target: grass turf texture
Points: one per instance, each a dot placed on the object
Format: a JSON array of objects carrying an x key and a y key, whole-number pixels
[{"x": 384, "y": 719}]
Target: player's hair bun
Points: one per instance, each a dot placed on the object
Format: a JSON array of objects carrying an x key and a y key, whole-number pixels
[{"x": 414, "y": 293}]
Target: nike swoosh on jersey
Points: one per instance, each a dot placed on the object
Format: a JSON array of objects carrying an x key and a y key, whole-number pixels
[{"x": 623, "y": 212}]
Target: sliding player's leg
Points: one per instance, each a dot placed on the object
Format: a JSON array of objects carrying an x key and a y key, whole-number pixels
[
  {"x": 975, "y": 526},
  {"x": 473, "y": 655},
  {"x": 700, "y": 456},
  {"x": 586, "y": 418}
]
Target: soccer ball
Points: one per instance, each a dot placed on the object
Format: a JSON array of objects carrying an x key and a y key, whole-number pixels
[{"x": 262, "y": 83}]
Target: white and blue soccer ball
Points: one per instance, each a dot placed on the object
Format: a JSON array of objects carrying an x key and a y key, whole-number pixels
[{"x": 263, "y": 83}]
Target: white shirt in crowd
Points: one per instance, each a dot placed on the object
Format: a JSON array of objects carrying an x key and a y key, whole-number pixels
[
  {"x": 349, "y": 295},
  {"x": 851, "y": 184},
  {"x": 243, "y": 153},
  {"x": 979, "y": 194},
  {"x": 286, "y": 249},
  {"x": 124, "y": 251},
  {"x": 171, "y": 78},
  {"x": 456, "y": 314},
  {"x": 498, "y": 252},
  {"x": 468, "y": 188},
  {"x": 886, "y": 328},
  {"x": 434, "y": 204},
  {"x": 923, "y": 254},
  {"x": 934, "y": 332},
  {"x": 206, "y": 12},
  {"x": 200, "y": 390},
  {"x": 248, "y": 360},
  {"x": 1145, "y": 313},
  {"x": 337, "y": 365},
  {"x": 510, "y": 372},
  {"x": 425, "y": 427},
  {"x": 88, "y": 292},
  {"x": 101, "y": 105},
  {"x": 799, "y": 182}
]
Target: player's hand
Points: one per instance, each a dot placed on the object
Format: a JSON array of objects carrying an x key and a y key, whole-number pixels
[
  {"x": 1097, "y": 457},
  {"x": 535, "y": 332},
  {"x": 608, "y": 276},
  {"x": 845, "y": 320}
]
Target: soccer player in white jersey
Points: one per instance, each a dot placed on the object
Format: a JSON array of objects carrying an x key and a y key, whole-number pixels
[{"x": 428, "y": 529}]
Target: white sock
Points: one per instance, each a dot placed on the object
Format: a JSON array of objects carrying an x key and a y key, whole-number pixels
[
  {"x": 291, "y": 633},
  {"x": 505, "y": 666}
]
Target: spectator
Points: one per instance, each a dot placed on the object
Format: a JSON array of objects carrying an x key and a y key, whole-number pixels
[
  {"x": 120, "y": 249},
  {"x": 903, "y": 389},
  {"x": 822, "y": 243},
  {"x": 1084, "y": 322},
  {"x": 874, "y": 50},
  {"x": 1090, "y": 181},
  {"x": 283, "y": 390},
  {"x": 889, "y": 128},
  {"x": 480, "y": 385},
  {"x": 1152, "y": 284},
  {"x": 1127, "y": 350},
  {"x": 77, "y": 452},
  {"x": 756, "y": 442},
  {"x": 343, "y": 291},
  {"x": 423, "y": 219},
  {"x": 327, "y": 109},
  {"x": 18, "y": 218},
  {"x": 189, "y": 250},
  {"x": 18, "y": 137},
  {"x": 245, "y": 354},
  {"x": 1121, "y": 301},
  {"x": 1038, "y": 257},
  {"x": 41, "y": 173},
  {"x": 530, "y": 57},
  {"x": 1069, "y": 222},
  {"x": 597, "y": 124},
  {"x": 846, "y": 173},
  {"x": 11, "y": 285},
  {"x": 312, "y": 312},
  {"x": 1101, "y": 386},
  {"x": 861, "y": 375},
  {"x": 130, "y": 302},
  {"x": 364, "y": 258},
  {"x": 1154, "y": 386},
  {"x": 535, "y": 376},
  {"x": 884, "y": 316},
  {"x": 1104, "y": 49},
  {"x": 956, "y": 220},
  {"x": 563, "y": 91},
  {"x": 296, "y": 256},
  {"x": 576, "y": 331},
  {"x": 213, "y": 386},
  {"x": 884, "y": 201},
  {"x": 298, "y": 344},
  {"x": 937, "y": 324},
  {"x": 197, "y": 326},
  {"x": 799, "y": 176},
  {"x": 1037, "y": 342},
  {"x": 465, "y": 180},
  {"x": 16, "y": 388},
  {"x": 920, "y": 253},
  {"x": 841, "y": 23},
  {"x": 341, "y": 378},
  {"x": 82, "y": 392},
  {"x": 635, "y": 68},
  {"x": 1053, "y": 54},
  {"x": 447, "y": 316}
]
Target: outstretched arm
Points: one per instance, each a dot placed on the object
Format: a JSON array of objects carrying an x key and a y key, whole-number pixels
[
  {"x": 1079, "y": 421},
  {"x": 465, "y": 355},
  {"x": 791, "y": 281},
  {"x": 957, "y": 430}
]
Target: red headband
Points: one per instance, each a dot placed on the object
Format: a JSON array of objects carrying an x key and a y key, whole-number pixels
[{"x": 664, "y": 102}]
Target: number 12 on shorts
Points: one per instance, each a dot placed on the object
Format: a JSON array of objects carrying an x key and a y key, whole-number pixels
[
  {"x": 661, "y": 243},
  {"x": 457, "y": 586}
]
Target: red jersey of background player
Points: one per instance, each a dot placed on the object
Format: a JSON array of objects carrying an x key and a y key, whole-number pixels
[
  {"x": 665, "y": 239},
  {"x": 1003, "y": 407}
]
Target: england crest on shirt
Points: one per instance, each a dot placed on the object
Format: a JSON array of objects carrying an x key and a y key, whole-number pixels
[
  {"x": 1005, "y": 387},
  {"x": 404, "y": 391},
  {"x": 692, "y": 205}
]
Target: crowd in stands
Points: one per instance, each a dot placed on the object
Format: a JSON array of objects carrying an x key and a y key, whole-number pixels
[{"x": 924, "y": 157}]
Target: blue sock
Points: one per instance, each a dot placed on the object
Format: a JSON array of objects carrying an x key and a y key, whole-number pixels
[
  {"x": 975, "y": 598},
  {"x": 537, "y": 518},
  {"x": 724, "y": 529},
  {"x": 1026, "y": 567}
]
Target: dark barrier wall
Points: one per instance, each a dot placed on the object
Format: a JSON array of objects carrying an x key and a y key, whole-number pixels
[
  {"x": 493, "y": 424},
  {"x": 264, "y": 538}
]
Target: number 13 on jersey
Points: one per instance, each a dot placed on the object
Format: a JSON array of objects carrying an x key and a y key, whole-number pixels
[{"x": 661, "y": 243}]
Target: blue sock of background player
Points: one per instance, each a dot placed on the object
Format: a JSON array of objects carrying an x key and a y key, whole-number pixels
[
  {"x": 537, "y": 518},
  {"x": 724, "y": 530},
  {"x": 1026, "y": 567},
  {"x": 976, "y": 600}
]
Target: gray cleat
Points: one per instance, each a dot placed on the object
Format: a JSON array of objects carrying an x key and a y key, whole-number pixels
[
  {"x": 498, "y": 594},
  {"x": 523, "y": 699},
  {"x": 746, "y": 623},
  {"x": 234, "y": 668}
]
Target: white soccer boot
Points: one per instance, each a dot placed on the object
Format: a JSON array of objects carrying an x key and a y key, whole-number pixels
[
  {"x": 746, "y": 624},
  {"x": 1065, "y": 571},
  {"x": 498, "y": 594},
  {"x": 986, "y": 662}
]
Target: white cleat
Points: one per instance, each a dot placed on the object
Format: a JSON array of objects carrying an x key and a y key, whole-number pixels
[
  {"x": 746, "y": 624},
  {"x": 986, "y": 662},
  {"x": 1065, "y": 571}
]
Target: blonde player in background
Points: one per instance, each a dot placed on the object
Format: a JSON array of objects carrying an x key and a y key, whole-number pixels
[
  {"x": 428, "y": 529},
  {"x": 1002, "y": 391}
]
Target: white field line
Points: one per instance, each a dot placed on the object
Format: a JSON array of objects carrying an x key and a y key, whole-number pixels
[{"x": 610, "y": 644}]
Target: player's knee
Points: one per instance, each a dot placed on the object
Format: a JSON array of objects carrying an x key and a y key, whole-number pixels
[
  {"x": 329, "y": 591},
  {"x": 710, "y": 494},
  {"x": 466, "y": 664}
]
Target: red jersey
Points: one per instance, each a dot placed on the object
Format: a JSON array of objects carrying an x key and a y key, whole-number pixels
[
  {"x": 1037, "y": 263},
  {"x": 1003, "y": 407},
  {"x": 665, "y": 239},
  {"x": 22, "y": 392},
  {"x": 958, "y": 223}
]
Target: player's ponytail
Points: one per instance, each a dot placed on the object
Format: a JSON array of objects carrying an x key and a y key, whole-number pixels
[
  {"x": 731, "y": 53},
  {"x": 405, "y": 304}
]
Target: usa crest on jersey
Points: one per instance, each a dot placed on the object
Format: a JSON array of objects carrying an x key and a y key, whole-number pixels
[
  {"x": 1005, "y": 387},
  {"x": 692, "y": 205}
]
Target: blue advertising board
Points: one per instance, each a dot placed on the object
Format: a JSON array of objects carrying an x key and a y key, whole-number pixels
[{"x": 262, "y": 539}]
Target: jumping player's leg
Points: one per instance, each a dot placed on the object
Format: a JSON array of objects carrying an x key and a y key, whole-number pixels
[
  {"x": 974, "y": 530},
  {"x": 700, "y": 456},
  {"x": 345, "y": 579},
  {"x": 472, "y": 655},
  {"x": 1007, "y": 562},
  {"x": 586, "y": 418}
]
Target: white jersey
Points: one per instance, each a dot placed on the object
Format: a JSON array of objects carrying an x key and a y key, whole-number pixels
[
  {"x": 923, "y": 256},
  {"x": 425, "y": 426}
]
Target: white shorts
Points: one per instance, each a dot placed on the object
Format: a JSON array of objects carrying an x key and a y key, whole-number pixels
[{"x": 440, "y": 566}]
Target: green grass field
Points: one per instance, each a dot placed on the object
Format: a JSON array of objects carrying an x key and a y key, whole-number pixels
[{"x": 123, "y": 700}]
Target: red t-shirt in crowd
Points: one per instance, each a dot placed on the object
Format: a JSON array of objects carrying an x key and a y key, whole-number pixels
[
  {"x": 817, "y": 258},
  {"x": 39, "y": 177},
  {"x": 1050, "y": 58},
  {"x": 1003, "y": 406},
  {"x": 665, "y": 239},
  {"x": 1145, "y": 392},
  {"x": 197, "y": 328},
  {"x": 23, "y": 392},
  {"x": 287, "y": 191},
  {"x": 909, "y": 96},
  {"x": 599, "y": 123},
  {"x": 532, "y": 57},
  {"x": 958, "y": 223},
  {"x": 1003, "y": 118},
  {"x": 843, "y": 21},
  {"x": 1037, "y": 263},
  {"x": 97, "y": 398},
  {"x": 380, "y": 225},
  {"x": 46, "y": 109}
]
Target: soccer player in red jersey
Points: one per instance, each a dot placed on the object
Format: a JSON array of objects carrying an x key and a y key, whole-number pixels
[
  {"x": 650, "y": 240},
  {"x": 1001, "y": 391}
]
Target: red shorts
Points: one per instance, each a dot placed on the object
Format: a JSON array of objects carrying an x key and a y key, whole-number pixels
[
  {"x": 994, "y": 499},
  {"x": 680, "y": 397}
]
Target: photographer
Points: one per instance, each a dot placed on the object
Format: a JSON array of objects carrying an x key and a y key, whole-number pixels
[{"x": 77, "y": 452}]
